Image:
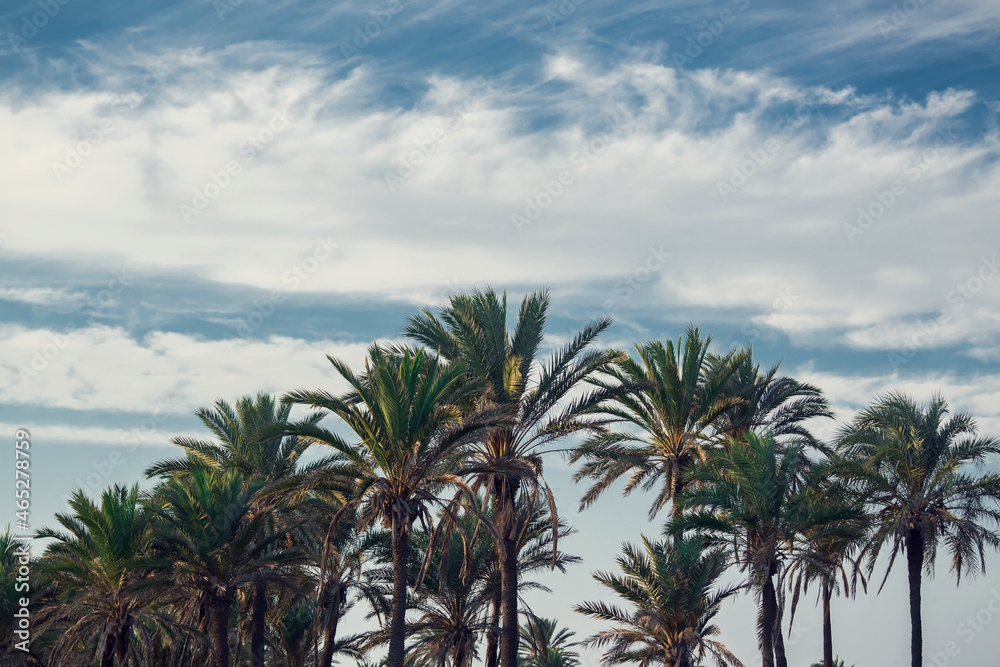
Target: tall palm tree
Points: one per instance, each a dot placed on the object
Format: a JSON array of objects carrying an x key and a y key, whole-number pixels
[
  {"x": 453, "y": 605},
  {"x": 536, "y": 547},
  {"x": 672, "y": 417},
  {"x": 211, "y": 539},
  {"x": 460, "y": 599},
  {"x": 413, "y": 437},
  {"x": 252, "y": 442},
  {"x": 828, "y": 557},
  {"x": 506, "y": 362},
  {"x": 545, "y": 644},
  {"x": 674, "y": 594},
  {"x": 769, "y": 402},
  {"x": 917, "y": 470},
  {"x": 747, "y": 496},
  {"x": 99, "y": 563},
  {"x": 342, "y": 577}
]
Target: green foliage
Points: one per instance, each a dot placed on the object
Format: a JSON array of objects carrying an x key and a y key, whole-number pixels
[
  {"x": 431, "y": 499},
  {"x": 673, "y": 592},
  {"x": 677, "y": 396},
  {"x": 919, "y": 470},
  {"x": 545, "y": 644}
]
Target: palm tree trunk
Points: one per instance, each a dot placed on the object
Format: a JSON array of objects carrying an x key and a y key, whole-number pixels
[
  {"x": 493, "y": 634},
  {"x": 915, "y": 562},
  {"x": 330, "y": 634},
  {"x": 768, "y": 612},
  {"x": 460, "y": 655},
  {"x": 827, "y": 626},
  {"x": 508, "y": 579},
  {"x": 220, "y": 631},
  {"x": 676, "y": 488},
  {"x": 122, "y": 645},
  {"x": 779, "y": 643},
  {"x": 108, "y": 657},
  {"x": 258, "y": 624},
  {"x": 397, "y": 625}
]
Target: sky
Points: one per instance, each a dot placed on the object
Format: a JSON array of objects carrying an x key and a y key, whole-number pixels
[{"x": 201, "y": 200}]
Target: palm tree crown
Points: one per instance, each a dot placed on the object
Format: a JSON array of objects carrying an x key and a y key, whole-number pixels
[
  {"x": 918, "y": 472},
  {"x": 545, "y": 644},
  {"x": 673, "y": 589},
  {"x": 98, "y": 563},
  {"x": 508, "y": 461},
  {"x": 672, "y": 415},
  {"x": 407, "y": 411}
]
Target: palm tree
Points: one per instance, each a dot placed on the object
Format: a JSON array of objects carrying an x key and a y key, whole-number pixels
[
  {"x": 917, "y": 471},
  {"x": 545, "y": 644},
  {"x": 99, "y": 564},
  {"x": 673, "y": 417},
  {"x": 769, "y": 402},
  {"x": 674, "y": 594},
  {"x": 294, "y": 632},
  {"x": 252, "y": 442},
  {"x": 536, "y": 548},
  {"x": 407, "y": 411},
  {"x": 211, "y": 539},
  {"x": 825, "y": 553},
  {"x": 460, "y": 600},
  {"x": 473, "y": 329},
  {"x": 453, "y": 604},
  {"x": 747, "y": 496},
  {"x": 342, "y": 577}
]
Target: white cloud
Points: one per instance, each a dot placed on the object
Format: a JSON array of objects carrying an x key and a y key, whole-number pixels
[
  {"x": 102, "y": 368},
  {"x": 46, "y": 296},
  {"x": 976, "y": 394},
  {"x": 654, "y": 178}
]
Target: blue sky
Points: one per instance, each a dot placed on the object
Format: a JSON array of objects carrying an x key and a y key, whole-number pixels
[{"x": 203, "y": 199}]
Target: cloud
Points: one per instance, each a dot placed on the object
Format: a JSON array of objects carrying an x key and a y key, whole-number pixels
[
  {"x": 43, "y": 296},
  {"x": 103, "y": 368},
  {"x": 753, "y": 183},
  {"x": 977, "y": 394}
]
